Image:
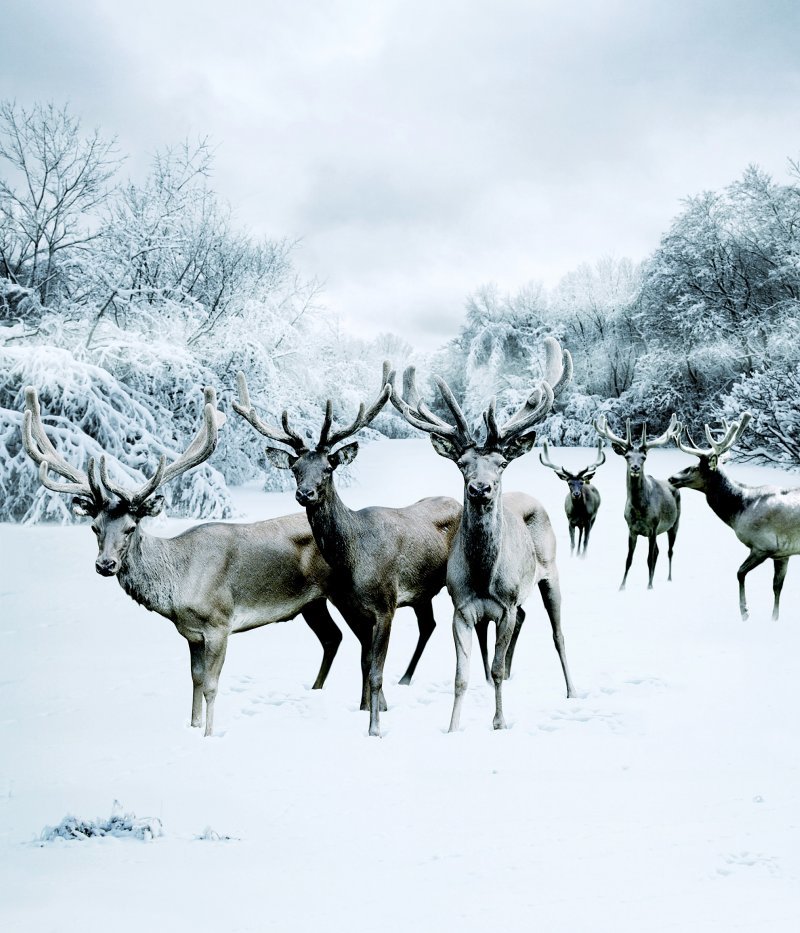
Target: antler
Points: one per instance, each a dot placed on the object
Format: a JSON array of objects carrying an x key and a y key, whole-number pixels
[
  {"x": 601, "y": 459},
  {"x": 40, "y": 449},
  {"x": 557, "y": 373},
  {"x": 363, "y": 418},
  {"x": 602, "y": 428},
  {"x": 673, "y": 429},
  {"x": 544, "y": 457},
  {"x": 417, "y": 413},
  {"x": 245, "y": 408},
  {"x": 731, "y": 434}
]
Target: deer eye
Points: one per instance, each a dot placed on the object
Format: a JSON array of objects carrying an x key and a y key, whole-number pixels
[
  {"x": 503, "y": 464},
  {"x": 95, "y": 529},
  {"x": 130, "y": 531}
]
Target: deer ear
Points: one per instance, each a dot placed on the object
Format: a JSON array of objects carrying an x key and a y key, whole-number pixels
[
  {"x": 343, "y": 455},
  {"x": 150, "y": 507},
  {"x": 618, "y": 449},
  {"x": 444, "y": 447},
  {"x": 82, "y": 505},
  {"x": 518, "y": 446},
  {"x": 588, "y": 477},
  {"x": 281, "y": 459},
  {"x": 713, "y": 462}
]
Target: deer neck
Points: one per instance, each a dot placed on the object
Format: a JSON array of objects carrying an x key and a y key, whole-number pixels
[
  {"x": 333, "y": 527},
  {"x": 481, "y": 532},
  {"x": 149, "y": 572},
  {"x": 637, "y": 489},
  {"x": 724, "y": 495}
]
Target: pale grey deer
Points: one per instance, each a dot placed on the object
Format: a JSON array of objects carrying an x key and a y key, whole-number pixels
[
  {"x": 583, "y": 498},
  {"x": 214, "y": 579},
  {"x": 765, "y": 519},
  {"x": 380, "y": 558},
  {"x": 653, "y": 505},
  {"x": 505, "y": 544}
]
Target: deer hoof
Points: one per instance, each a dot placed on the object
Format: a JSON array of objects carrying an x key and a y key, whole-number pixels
[{"x": 498, "y": 722}]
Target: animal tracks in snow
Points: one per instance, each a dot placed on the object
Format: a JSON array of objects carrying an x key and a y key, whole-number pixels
[{"x": 736, "y": 862}]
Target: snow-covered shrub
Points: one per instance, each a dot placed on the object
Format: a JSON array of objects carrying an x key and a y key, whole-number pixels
[
  {"x": 119, "y": 825},
  {"x": 573, "y": 424},
  {"x": 771, "y": 397},
  {"x": 88, "y": 413}
]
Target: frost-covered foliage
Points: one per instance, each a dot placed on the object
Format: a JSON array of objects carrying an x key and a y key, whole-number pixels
[
  {"x": 773, "y": 435},
  {"x": 120, "y": 825},
  {"x": 712, "y": 315},
  {"x": 120, "y": 300}
]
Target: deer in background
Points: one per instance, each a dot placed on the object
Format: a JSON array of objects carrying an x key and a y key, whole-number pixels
[
  {"x": 380, "y": 558},
  {"x": 653, "y": 506},
  {"x": 505, "y": 543},
  {"x": 583, "y": 499},
  {"x": 765, "y": 519},
  {"x": 211, "y": 580}
]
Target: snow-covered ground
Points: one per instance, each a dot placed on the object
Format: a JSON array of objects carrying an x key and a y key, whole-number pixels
[{"x": 665, "y": 797}]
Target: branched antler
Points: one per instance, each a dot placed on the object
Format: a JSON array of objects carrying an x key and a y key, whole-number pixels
[
  {"x": 41, "y": 450},
  {"x": 731, "y": 432}
]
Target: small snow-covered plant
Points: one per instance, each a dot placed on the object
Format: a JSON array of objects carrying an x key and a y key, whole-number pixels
[{"x": 120, "y": 825}]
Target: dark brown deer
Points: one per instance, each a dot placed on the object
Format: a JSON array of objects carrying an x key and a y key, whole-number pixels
[
  {"x": 505, "y": 543},
  {"x": 211, "y": 580},
  {"x": 765, "y": 519},
  {"x": 381, "y": 558},
  {"x": 583, "y": 499},
  {"x": 653, "y": 505}
]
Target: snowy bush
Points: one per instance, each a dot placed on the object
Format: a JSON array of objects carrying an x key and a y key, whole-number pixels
[
  {"x": 771, "y": 396},
  {"x": 119, "y": 825}
]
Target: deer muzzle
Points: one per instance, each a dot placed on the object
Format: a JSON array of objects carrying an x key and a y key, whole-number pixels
[{"x": 106, "y": 567}]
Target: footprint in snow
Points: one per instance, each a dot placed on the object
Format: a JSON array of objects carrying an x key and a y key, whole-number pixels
[{"x": 736, "y": 861}]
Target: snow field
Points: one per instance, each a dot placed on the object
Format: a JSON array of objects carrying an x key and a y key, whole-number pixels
[{"x": 664, "y": 797}]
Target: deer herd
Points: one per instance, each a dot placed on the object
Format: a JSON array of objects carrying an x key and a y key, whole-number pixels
[{"x": 489, "y": 551}]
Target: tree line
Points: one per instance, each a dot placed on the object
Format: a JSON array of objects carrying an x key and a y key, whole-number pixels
[{"x": 122, "y": 295}]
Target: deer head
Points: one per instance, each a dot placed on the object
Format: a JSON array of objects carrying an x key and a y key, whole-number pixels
[
  {"x": 575, "y": 481},
  {"x": 697, "y": 476},
  {"x": 636, "y": 453},
  {"x": 115, "y": 511},
  {"x": 482, "y": 465},
  {"x": 312, "y": 466}
]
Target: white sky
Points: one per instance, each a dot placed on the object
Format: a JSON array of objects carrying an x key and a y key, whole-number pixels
[{"x": 421, "y": 149}]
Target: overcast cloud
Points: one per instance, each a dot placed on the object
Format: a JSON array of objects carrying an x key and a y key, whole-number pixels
[{"x": 422, "y": 149}]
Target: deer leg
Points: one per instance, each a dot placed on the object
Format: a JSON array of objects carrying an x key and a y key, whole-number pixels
[
  {"x": 781, "y": 566},
  {"x": 426, "y": 623},
  {"x": 213, "y": 657},
  {"x": 198, "y": 674},
  {"x": 572, "y": 540},
  {"x": 505, "y": 629},
  {"x": 550, "y": 590},
  {"x": 631, "y": 548},
  {"x": 462, "y": 634},
  {"x": 586, "y": 531},
  {"x": 652, "y": 557},
  {"x": 752, "y": 560},
  {"x": 329, "y": 634},
  {"x": 380, "y": 645},
  {"x": 671, "y": 535},
  {"x": 520, "y": 618},
  {"x": 362, "y": 629},
  {"x": 482, "y": 631}
]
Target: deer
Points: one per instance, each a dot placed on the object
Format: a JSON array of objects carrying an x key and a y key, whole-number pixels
[
  {"x": 212, "y": 580},
  {"x": 380, "y": 558},
  {"x": 766, "y": 519},
  {"x": 583, "y": 499},
  {"x": 504, "y": 544},
  {"x": 653, "y": 506}
]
